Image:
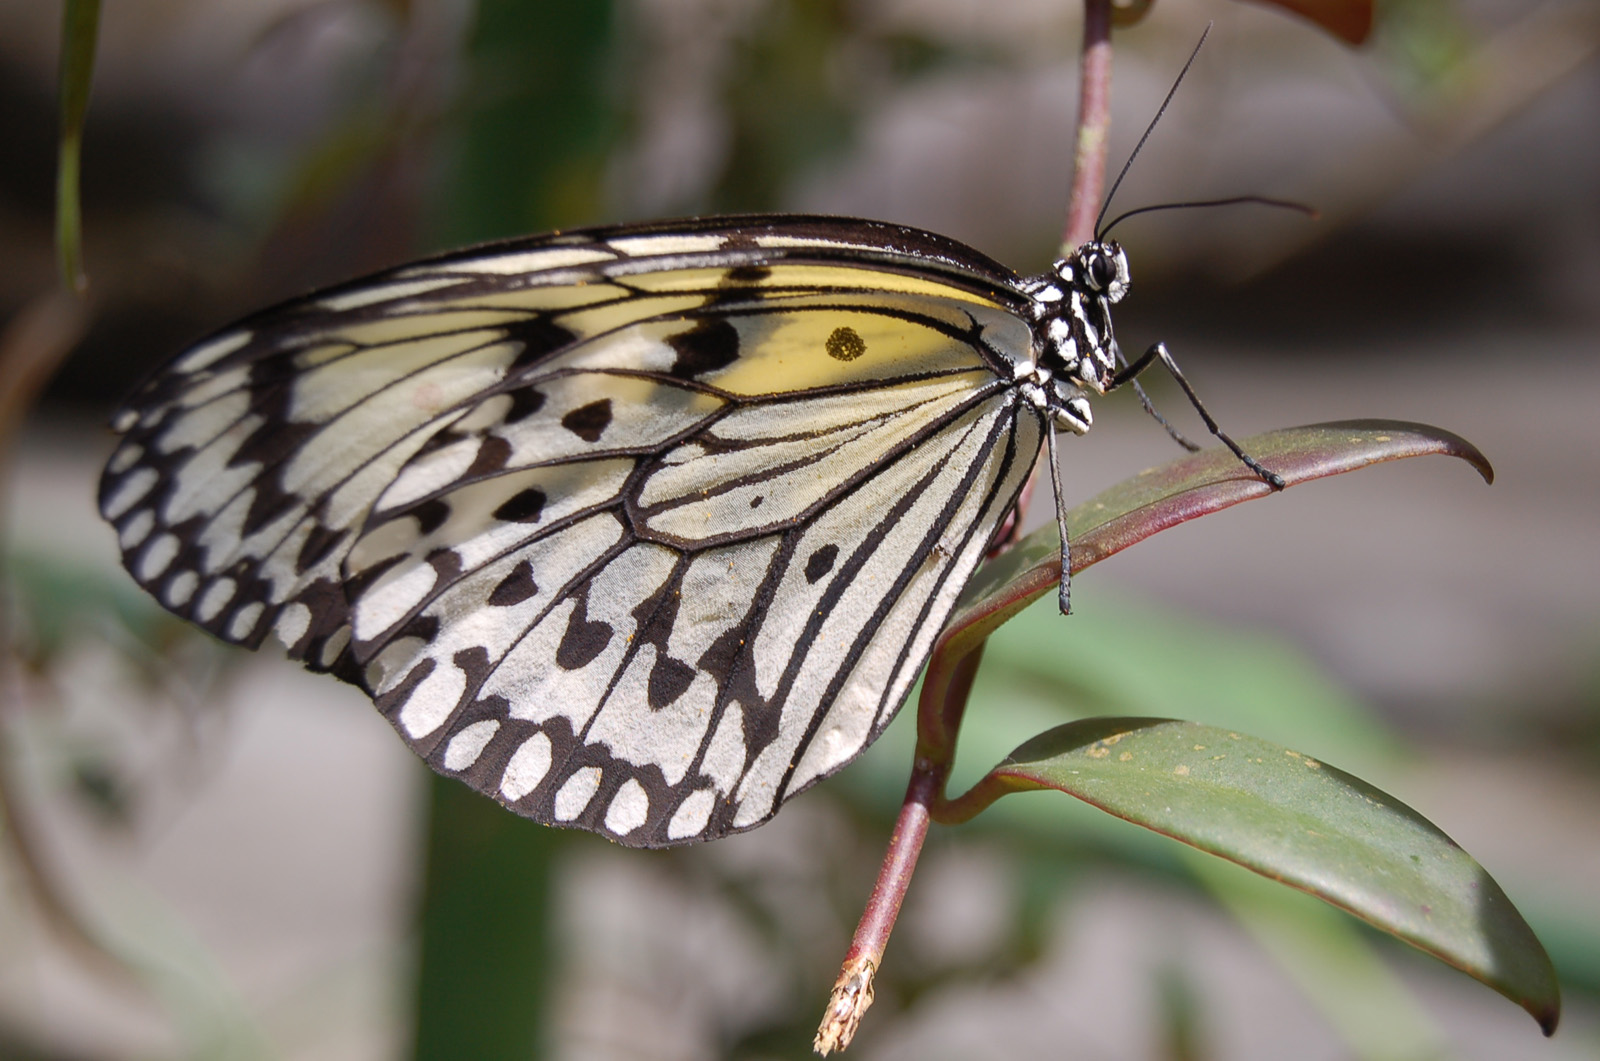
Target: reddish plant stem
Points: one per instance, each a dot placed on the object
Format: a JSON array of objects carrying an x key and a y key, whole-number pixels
[
  {"x": 1094, "y": 127},
  {"x": 943, "y": 703},
  {"x": 1088, "y": 186},
  {"x": 954, "y": 664},
  {"x": 910, "y": 829},
  {"x": 852, "y": 992}
]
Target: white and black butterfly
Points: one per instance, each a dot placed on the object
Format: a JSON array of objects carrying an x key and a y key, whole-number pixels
[{"x": 641, "y": 529}]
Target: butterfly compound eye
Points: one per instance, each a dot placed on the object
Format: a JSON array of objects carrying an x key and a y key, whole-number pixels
[{"x": 1102, "y": 271}]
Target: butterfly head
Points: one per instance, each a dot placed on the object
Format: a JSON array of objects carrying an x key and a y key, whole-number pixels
[
  {"x": 1102, "y": 266},
  {"x": 1072, "y": 314}
]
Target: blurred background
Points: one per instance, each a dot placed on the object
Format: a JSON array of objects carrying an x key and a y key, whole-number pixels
[{"x": 209, "y": 854}]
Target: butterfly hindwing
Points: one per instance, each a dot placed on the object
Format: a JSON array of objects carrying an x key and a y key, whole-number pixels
[{"x": 642, "y": 530}]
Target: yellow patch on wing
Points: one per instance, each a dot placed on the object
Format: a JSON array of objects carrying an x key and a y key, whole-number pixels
[{"x": 789, "y": 351}]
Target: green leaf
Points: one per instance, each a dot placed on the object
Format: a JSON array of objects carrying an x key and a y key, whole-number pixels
[
  {"x": 1295, "y": 820},
  {"x": 80, "y": 27},
  {"x": 1177, "y": 492}
]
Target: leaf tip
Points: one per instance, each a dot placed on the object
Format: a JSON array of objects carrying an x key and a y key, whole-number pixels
[{"x": 1548, "y": 1016}]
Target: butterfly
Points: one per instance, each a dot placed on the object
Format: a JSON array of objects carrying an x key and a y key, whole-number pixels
[{"x": 642, "y": 529}]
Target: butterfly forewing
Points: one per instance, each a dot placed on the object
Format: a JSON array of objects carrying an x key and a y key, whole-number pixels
[{"x": 642, "y": 530}]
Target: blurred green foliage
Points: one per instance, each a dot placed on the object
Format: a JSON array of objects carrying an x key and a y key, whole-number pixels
[{"x": 538, "y": 118}]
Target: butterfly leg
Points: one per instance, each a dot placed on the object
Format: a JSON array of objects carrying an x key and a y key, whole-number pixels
[
  {"x": 1159, "y": 352},
  {"x": 1177, "y": 436},
  {"x": 1064, "y": 593}
]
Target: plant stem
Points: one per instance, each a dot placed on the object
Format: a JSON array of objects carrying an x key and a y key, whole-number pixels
[
  {"x": 852, "y": 992},
  {"x": 80, "y": 28},
  {"x": 954, "y": 663},
  {"x": 1088, "y": 185},
  {"x": 1094, "y": 127}
]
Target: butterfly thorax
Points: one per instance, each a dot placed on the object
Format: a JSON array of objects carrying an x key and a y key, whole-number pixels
[{"x": 1074, "y": 346}]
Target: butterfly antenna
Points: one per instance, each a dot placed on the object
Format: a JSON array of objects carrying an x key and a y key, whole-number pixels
[
  {"x": 1148, "y": 130},
  {"x": 1258, "y": 200}
]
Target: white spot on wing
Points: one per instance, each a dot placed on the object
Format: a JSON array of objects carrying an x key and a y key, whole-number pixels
[
  {"x": 210, "y": 353},
  {"x": 368, "y": 295},
  {"x": 137, "y": 529},
  {"x": 810, "y": 241},
  {"x": 465, "y": 747},
  {"x": 244, "y": 621},
  {"x": 429, "y": 473},
  {"x": 576, "y": 793},
  {"x": 334, "y": 645},
  {"x": 129, "y": 492},
  {"x": 157, "y": 555},
  {"x": 692, "y": 815},
  {"x": 532, "y": 261},
  {"x": 675, "y": 243},
  {"x": 432, "y": 701},
  {"x": 214, "y": 599},
  {"x": 528, "y": 765},
  {"x": 206, "y": 423},
  {"x": 292, "y": 624},
  {"x": 181, "y": 588},
  {"x": 391, "y": 599},
  {"x": 629, "y": 808},
  {"x": 125, "y": 458}
]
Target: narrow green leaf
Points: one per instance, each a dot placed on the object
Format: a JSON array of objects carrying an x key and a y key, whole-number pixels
[
  {"x": 80, "y": 27},
  {"x": 1294, "y": 819}
]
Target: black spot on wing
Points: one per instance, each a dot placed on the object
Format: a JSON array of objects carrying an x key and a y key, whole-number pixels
[
  {"x": 710, "y": 345},
  {"x": 669, "y": 679},
  {"x": 654, "y": 619},
  {"x": 590, "y": 421},
  {"x": 525, "y": 401},
  {"x": 748, "y": 274},
  {"x": 540, "y": 337},
  {"x": 738, "y": 240},
  {"x": 523, "y": 507},
  {"x": 431, "y": 515},
  {"x": 584, "y": 640},
  {"x": 493, "y": 452},
  {"x": 474, "y": 663},
  {"x": 719, "y": 659},
  {"x": 424, "y": 627},
  {"x": 845, "y": 344},
  {"x": 821, "y": 562},
  {"x": 515, "y": 587}
]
